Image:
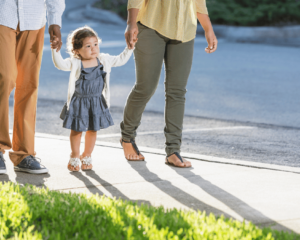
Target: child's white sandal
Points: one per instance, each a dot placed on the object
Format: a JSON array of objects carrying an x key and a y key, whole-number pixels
[
  {"x": 86, "y": 163},
  {"x": 74, "y": 162}
]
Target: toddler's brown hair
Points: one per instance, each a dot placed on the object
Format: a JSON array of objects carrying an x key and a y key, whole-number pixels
[{"x": 75, "y": 39}]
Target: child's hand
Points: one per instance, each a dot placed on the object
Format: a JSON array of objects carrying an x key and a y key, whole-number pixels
[
  {"x": 131, "y": 33},
  {"x": 55, "y": 37},
  {"x": 53, "y": 42},
  {"x": 134, "y": 41}
]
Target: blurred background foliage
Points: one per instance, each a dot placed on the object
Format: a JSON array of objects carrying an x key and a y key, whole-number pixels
[
  {"x": 117, "y": 6},
  {"x": 254, "y": 12},
  {"x": 235, "y": 12}
]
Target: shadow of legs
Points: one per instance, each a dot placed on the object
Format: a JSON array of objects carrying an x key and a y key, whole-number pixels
[
  {"x": 34, "y": 179},
  {"x": 89, "y": 185},
  {"x": 111, "y": 188},
  {"x": 4, "y": 178},
  {"x": 173, "y": 191},
  {"x": 234, "y": 203}
]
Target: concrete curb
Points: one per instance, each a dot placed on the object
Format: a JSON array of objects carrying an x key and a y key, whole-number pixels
[
  {"x": 289, "y": 35},
  {"x": 198, "y": 157}
]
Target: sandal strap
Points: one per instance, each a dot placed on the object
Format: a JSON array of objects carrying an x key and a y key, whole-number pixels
[
  {"x": 133, "y": 144},
  {"x": 74, "y": 162},
  {"x": 86, "y": 160},
  {"x": 177, "y": 154},
  {"x": 125, "y": 141}
]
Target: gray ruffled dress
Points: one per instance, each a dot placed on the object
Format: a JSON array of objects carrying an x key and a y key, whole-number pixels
[{"x": 88, "y": 109}]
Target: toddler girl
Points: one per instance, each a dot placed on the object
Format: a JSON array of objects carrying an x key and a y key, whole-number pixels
[{"x": 87, "y": 106}]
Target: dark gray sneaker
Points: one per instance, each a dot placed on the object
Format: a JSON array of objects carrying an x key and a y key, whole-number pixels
[
  {"x": 30, "y": 165},
  {"x": 2, "y": 164}
]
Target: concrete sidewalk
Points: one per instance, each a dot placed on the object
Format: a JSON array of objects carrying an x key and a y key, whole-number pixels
[{"x": 267, "y": 195}]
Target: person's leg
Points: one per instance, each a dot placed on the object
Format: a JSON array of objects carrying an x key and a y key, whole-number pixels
[
  {"x": 8, "y": 75},
  {"x": 90, "y": 140},
  {"x": 29, "y": 51},
  {"x": 149, "y": 53},
  {"x": 75, "y": 140},
  {"x": 178, "y": 63}
]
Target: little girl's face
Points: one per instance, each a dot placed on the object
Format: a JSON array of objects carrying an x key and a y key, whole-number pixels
[{"x": 90, "y": 48}]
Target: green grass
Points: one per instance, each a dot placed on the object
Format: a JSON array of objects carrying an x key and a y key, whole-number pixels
[{"x": 28, "y": 212}]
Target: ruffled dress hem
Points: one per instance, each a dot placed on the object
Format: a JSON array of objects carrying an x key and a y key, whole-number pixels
[{"x": 89, "y": 123}]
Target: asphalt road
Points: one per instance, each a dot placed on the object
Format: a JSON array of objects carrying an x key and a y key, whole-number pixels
[
  {"x": 228, "y": 139},
  {"x": 243, "y": 100}
]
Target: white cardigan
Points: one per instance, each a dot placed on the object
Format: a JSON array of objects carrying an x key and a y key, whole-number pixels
[{"x": 74, "y": 65}]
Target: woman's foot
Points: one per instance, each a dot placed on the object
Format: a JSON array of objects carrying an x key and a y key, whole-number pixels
[
  {"x": 74, "y": 164},
  {"x": 86, "y": 163},
  {"x": 177, "y": 161},
  {"x": 131, "y": 151}
]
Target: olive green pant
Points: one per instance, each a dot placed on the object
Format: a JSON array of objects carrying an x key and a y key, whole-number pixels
[{"x": 151, "y": 50}]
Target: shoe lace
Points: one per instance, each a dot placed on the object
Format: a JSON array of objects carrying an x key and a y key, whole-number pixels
[{"x": 34, "y": 159}]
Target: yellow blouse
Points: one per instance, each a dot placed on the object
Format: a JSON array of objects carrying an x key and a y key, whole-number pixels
[{"x": 174, "y": 19}]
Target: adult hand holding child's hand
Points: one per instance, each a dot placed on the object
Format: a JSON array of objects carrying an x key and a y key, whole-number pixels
[
  {"x": 132, "y": 30},
  {"x": 55, "y": 37},
  {"x": 131, "y": 33}
]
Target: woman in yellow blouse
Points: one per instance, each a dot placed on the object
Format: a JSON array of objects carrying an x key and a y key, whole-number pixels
[{"x": 162, "y": 31}]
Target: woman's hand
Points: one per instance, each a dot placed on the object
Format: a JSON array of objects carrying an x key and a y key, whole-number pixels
[
  {"x": 131, "y": 33},
  {"x": 211, "y": 41},
  {"x": 209, "y": 32},
  {"x": 132, "y": 30}
]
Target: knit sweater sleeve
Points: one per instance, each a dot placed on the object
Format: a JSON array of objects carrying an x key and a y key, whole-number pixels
[
  {"x": 59, "y": 62},
  {"x": 120, "y": 60}
]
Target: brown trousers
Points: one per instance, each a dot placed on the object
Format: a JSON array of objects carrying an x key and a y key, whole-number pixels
[{"x": 20, "y": 63}]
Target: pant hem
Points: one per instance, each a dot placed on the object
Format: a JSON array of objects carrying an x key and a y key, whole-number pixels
[
  {"x": 172, "y": 151},
  {"x": 127, "y": 139},
  {"x": 17, "y": 157},
  {"x": 3, "y": 148}
]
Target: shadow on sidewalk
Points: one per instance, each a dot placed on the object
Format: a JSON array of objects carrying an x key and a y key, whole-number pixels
[
  {"x": 89, "y": 185},
  {"x": 34, "y": 179},
  {"x": 175, "y": 192},
  {"x": 115, "y": 192},
  {"x": 237, "y": 205},
  {"x": 4, "y": 178}
]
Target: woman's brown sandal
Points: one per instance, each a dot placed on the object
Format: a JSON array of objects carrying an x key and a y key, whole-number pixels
[
  {"x": 141, "y": 157},
  {"x": 172, "y": 164}
]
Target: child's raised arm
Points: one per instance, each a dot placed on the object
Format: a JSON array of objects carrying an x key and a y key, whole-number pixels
[
  {"x": 120, "y": 60},
  {"x": 59, "y": 62}
]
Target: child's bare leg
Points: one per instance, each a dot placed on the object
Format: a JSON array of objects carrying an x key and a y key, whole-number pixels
[
  {"x": 75, "y": 139},
  {"x": 90, "y": 140}
]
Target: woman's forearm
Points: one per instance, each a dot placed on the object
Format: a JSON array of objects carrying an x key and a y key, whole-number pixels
[
  {"x": 209, "y": 32},
  {"x": 205, "y": 22},
  {"x": 132, "y": 15}
]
